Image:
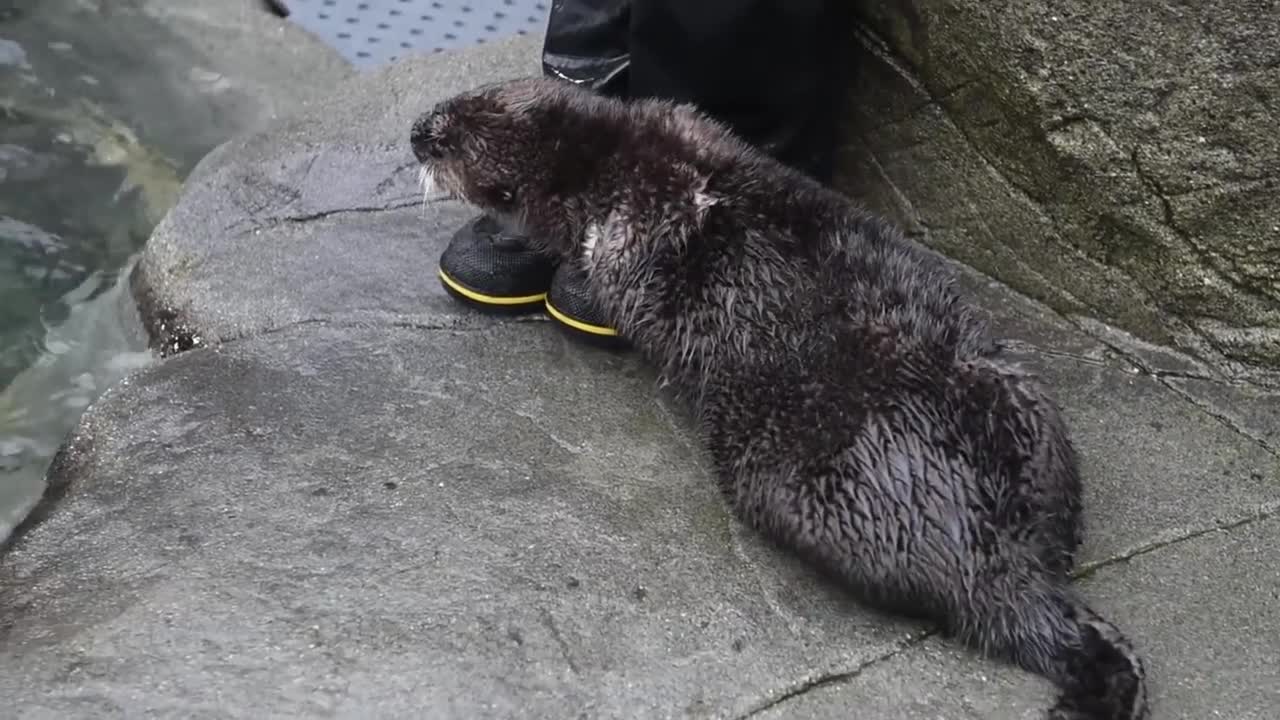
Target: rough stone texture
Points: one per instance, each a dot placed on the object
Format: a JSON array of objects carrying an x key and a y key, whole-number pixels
[
  {"x": 352, "y": 498},
  {"x": 472, "y": 535},
  {"x": 1114, "y": 160},
  {"x": 327, "y": 175}
]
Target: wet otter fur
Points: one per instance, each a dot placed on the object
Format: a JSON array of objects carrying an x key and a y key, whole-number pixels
[{"x": 850, "y": 401}]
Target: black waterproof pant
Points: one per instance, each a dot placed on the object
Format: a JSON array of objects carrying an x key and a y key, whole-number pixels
[{"x": 773, "y": 70}]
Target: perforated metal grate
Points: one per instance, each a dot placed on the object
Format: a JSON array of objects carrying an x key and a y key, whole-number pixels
[{"x": 373, "y": 32}]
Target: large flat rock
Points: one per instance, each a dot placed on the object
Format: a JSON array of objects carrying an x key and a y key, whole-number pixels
[
  {"x": 343, "y": 495},
  {"x": 420, "y": 523},
  {"x": 497, "y": 523}
]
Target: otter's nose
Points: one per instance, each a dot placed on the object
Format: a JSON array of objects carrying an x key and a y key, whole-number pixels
[{"x": 424, "y": 140}]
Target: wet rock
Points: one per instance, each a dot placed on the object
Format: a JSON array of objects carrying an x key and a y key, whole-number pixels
[
  {"x": 1114, "y": 161},
  {"x": 191, "y": 565}
]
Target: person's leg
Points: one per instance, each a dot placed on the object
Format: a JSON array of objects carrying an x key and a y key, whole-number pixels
[
  {"x": 773, "y": 71},
  {"x": 587, "y": 43},
  {"x": 491, "y": 267}
]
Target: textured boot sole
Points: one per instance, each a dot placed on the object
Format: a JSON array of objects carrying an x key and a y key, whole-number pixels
[
  {"x": 596, "y": 335},
  {"x": 491, "y": 303}
]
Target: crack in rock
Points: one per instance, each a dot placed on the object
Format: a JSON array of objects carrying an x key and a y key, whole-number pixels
[
  {"x": 1176, "y": 321},
  {"x": 1213, "y": 412},
  {"x": 357, "y": 210},
  {"x": 1162, "y": 378},
  {"x": 1265, "y": 511},
  {"x": 1023, "y": 347},
  {"x": 254, "y": 226},
  {"x": 549, "y": 621},
  {"x": 840, "y": 677},
  {"x": 1207, "y": 259}
]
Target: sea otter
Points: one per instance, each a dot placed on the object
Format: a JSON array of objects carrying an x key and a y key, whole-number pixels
[{"x": 849, "y": 399}]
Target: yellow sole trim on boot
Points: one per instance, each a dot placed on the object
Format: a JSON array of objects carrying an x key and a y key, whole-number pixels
[
  {"x": 488, "y": 299},
  {"x": 578, "y": 324}
]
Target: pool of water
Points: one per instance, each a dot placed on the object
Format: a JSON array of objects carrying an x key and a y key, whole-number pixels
[{"x": 103, "y": 112}]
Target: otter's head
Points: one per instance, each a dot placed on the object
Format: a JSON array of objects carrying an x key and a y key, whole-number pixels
[
  {"x": 529, "y": 151},
  {"x": 553, "y": 159}
]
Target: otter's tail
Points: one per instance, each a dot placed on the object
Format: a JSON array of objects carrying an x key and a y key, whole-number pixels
[{"x": 1027, "y": 616}]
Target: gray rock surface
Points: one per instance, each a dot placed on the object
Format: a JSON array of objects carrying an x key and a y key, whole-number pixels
[
  {"x": 1114, "y": 161},
  {"x": 338, "y": 175},
  {"x": 480, "y": 531},
  {"x": 349, "y": 497}
]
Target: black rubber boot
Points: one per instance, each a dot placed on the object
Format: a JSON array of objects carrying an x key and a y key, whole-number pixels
[
  {"x": 774, "y": 72},
  {"x": 569, "y": 303},
  {"x": 488, "y": 268}
]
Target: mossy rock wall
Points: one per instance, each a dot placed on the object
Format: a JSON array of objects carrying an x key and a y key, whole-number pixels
[{"x": 1114, "y": 159}]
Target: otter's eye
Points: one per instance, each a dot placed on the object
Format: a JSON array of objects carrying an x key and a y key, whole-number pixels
[
  {"x": 498, "y": 196},
  {"x": 502, "y": 195}
]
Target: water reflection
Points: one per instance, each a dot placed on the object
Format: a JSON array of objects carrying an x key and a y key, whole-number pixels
[
  {"x": 103, "y": 111},
  {"x": 98, "y": 342}
]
